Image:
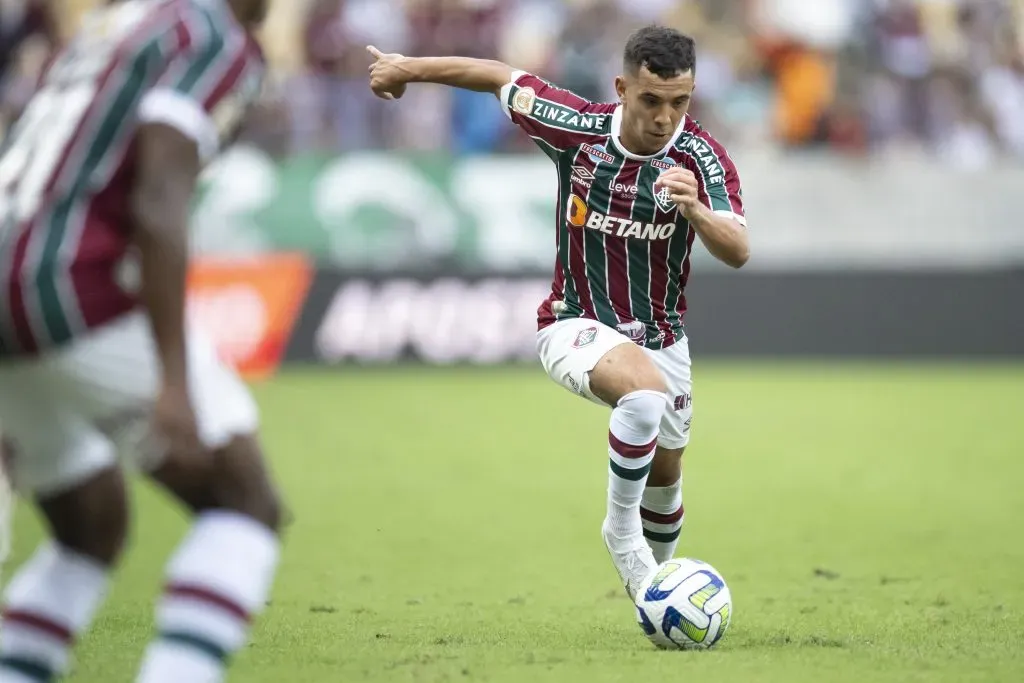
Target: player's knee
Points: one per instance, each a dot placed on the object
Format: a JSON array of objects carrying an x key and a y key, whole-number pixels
[
  {"x": 651, "y": 381},
  {"x": 625, "y": 370},
  {"x": 645, "y": 407},
  {"x": 91, "y": 519}
]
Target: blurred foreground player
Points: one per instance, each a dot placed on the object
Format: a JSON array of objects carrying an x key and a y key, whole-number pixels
[
  {"x": 95, "y": 184},
  {"x": 638, "y": 180}
]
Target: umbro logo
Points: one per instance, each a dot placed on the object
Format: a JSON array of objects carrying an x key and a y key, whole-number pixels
[
  {"x": 582, "y": 172},
  {"x": 582, "y": 176}
]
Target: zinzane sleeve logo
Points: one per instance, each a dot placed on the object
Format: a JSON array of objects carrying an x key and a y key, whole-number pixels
[{"x": 555, "y": 118}]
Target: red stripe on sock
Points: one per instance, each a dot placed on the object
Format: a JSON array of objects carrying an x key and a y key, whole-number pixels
[
  {"x": 631, "y": 451},
  {"x": 37, "y": 622},
  {"x": 659, "y": 518},
  {"x": 193, "y": 592}
]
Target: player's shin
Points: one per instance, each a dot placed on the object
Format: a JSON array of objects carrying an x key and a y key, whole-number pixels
[
  {"x": 661, "y": 511},
  {"x": 52, "y": 598},
  {"x": 632, "y": 435},
  {"x": 218, "y": 580}
]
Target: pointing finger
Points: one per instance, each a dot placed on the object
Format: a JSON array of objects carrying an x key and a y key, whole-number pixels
[{"x": 374, "y": 51}]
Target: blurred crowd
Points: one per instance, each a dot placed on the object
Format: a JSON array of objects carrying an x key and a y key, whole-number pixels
[{"x": 933, "y": 77}]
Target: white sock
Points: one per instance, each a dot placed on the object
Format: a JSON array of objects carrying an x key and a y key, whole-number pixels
[
  {"x": 218, "y": 580},
  {"x": 632, "y": 437},
  {"x": 662, "y": 513},
  {"x": 51, "y": 599}
]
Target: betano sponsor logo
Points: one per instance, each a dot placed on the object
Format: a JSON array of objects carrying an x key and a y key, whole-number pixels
[{"x": 580, "y": 216}]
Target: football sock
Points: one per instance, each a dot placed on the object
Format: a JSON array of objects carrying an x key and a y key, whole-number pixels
[
  {"x": 50, "y": 600},
  {"x": 662, "y": 513},
  {"x": 632, "y": 438},
  {"x": 218, "y": 580}
]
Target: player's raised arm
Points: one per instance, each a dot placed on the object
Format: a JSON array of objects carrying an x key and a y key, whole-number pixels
[
  {"x": 555, "y": 118},
  {"x": 390, "y": 73}
]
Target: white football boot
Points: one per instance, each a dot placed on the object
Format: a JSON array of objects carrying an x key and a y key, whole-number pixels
[{"x": 632, "y": 558}]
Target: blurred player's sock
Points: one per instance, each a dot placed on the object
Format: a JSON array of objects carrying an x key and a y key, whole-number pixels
[
  {"x": 50, "y": 600},
  {"x": 662, "y": 513},
  {"x": 218, "y": 580},
  {"x": 632, "y": 438}
]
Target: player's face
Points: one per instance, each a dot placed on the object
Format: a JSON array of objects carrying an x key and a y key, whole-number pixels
[{"x": 652, "y": 107}]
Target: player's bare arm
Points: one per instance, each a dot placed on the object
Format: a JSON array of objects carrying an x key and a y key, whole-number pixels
[
  {"x": 723, "y": 236},
  {"x": 390, "y": 73},
  {"x": 167, "y": 169}
]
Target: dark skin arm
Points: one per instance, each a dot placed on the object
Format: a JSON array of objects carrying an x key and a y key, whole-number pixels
[{"x": 168, "y": 166}]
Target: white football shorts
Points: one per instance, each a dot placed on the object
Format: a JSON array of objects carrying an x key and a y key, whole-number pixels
[
  {"x": 569, "y": 349},
  {"x": 76, "y": 410}
]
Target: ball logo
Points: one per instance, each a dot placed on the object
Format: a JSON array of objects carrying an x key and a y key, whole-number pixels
[{"x": 577, "y": 211}]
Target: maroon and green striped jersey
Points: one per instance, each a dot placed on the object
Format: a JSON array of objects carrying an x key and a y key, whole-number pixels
[
  {"x": 67, "y": 169},
  {"x": 623, "y": 249}
]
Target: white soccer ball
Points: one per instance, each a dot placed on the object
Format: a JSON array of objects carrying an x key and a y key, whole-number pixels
[{"x": 685, "y": 604}]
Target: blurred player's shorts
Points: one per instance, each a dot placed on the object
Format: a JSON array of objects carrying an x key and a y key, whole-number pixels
[{"x": 73, "y": 412}]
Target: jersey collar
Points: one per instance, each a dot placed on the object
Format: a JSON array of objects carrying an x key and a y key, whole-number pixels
[{"x": 617, "y": 127}]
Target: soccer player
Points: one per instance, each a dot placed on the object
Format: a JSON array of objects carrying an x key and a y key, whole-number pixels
[
  {"x": 638, "y": 180},
  {"x": 96, "y": 362}
]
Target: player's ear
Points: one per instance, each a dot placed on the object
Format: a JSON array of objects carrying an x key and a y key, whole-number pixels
[{"x": 620, "y": 87}]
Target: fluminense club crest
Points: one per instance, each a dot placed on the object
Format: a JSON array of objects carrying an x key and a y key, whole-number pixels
[{"x": 663, "y": 197}]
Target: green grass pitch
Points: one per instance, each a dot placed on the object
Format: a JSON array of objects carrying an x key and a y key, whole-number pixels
[{"x": 869, "y": 519}]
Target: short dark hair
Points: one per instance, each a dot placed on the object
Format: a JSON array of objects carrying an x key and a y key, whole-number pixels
[{"x": 664, "y": 51}]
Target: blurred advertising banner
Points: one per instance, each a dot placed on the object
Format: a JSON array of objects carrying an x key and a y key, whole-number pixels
[
  {"x": 389, "y": 212},
  {"x": 438, "y": 320},
  {"x": 249, "y": 307},
  {"x": 352, "y": 319},
  {"x": 265, "y": 312}
]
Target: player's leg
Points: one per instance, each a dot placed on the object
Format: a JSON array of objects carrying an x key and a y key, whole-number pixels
[
  {"x": 70, "y": 468},
  {"x": 662, "y": 507},
  {"x": 603, "y": 365},
  {"x": 220, "y": 577},
  {"x": 626, "y": 379}
]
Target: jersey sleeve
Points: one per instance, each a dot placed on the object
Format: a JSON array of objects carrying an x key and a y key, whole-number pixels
[
  {"x": 208, "y": 83},
  {"x": 556, "y": 119},
  {"x": 719, "y": 181}
]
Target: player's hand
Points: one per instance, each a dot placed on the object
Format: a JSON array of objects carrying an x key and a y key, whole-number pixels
[
  {"x": 682, "y": 187},
  {"x": 388, "y": 77},
  {"x": 174, "y": 427}
]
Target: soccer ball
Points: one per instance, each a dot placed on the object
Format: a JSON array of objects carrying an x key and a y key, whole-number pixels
[{"x": 683, "y": 605}]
